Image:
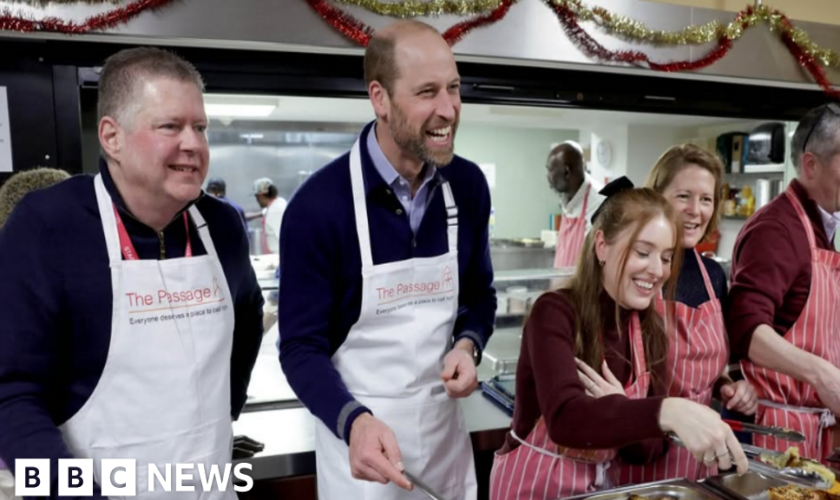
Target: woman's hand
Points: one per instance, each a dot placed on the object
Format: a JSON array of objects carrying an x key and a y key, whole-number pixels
[
  {"x": 740, "y": 396},
  {"x": 703, "y": 433},
  {"x": 597, "y": 386}
]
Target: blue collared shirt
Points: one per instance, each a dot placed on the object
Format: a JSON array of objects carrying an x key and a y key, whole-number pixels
[{"x": 414, "y": 207}]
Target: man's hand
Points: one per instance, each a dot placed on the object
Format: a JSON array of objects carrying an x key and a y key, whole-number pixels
[
  {"x": 826, "y": 381},
  {"x": 459, "y": 374},
  {"x": 374, "y": 453}
]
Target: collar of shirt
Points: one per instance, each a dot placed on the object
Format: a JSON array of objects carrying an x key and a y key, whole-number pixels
[
  {"x": 386, "y": 170},
  {"x": 117, "y": 198},
  {"x": 573, "y": 207},
  {"x": 830, "y": 222}
]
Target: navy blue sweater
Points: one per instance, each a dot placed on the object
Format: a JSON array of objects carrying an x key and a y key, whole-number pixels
[
  {"x": 691, "y": 290},
  {"x": 55, "y": 321},
  {"x": 321, "y": 270}
]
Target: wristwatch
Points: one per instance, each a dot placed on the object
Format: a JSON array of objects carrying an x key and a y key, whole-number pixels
[{"x": 475, "y": 352}]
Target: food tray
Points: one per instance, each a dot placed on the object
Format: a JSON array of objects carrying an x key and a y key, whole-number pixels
[
  {"x": 678, "y": 489},
  {"x": 750, "y": 486}
]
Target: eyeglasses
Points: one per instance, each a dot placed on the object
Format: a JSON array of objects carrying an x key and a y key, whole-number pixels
[{"x": 834, "y": 108}]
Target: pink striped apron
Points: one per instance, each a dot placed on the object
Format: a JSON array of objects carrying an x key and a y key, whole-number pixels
[
  {"x": 784, "y": 401},
  {"x": 698, "y": 354},
  {"x": 570, "y": 236},
  {"x": 540, "y": 469}
]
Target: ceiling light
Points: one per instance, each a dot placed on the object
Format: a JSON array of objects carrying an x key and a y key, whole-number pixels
[
  {"x": 239, "y": 110},
  {"x": 251, "y": 136}
]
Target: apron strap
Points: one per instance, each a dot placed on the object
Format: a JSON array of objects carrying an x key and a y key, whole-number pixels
[
  {"x": 585, "y": 201},
  {"x": 638, "y": 348},
  {"x": 600, "y": 467},
  {"x": 360, "y": 206},
  {"x": 827, "y": 418},
  {"x": 109, "y": 221},
  {"x": 809, "y": 230},
  {"x": 203, "y": 232},
  {"x": 451, "y": 216},
  {"x": 706, "y": 280}
]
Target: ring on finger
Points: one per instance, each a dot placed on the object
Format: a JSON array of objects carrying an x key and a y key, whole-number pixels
[
  {"x": 709, "y": 460},
  {"x": 723, "y": 454}
]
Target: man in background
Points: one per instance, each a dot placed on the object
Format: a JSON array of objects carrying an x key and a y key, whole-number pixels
[
  {"x": 217, "y": 187},
  {"x": 273, "y": 208},
  {"x": 579, "y": 199},
  {"x": 783, "y": 317}
]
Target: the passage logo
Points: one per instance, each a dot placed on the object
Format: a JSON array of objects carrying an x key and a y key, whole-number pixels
[
  {"x": 119, "y": 477},
  {"x": 445, "y": 284}
]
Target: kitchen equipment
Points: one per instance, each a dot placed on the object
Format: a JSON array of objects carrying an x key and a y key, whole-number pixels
[
  {"x": 731, "y": 147},
  {"x": 678, "y": 489},
  {"x": 776, "y": 188},
  {"x": 753, "y": 485},
  {"x": 790, "y": 475},
  {"x": 425, "y": 488},
  {"x": 498, "y": 397},
  {"x": 750, "y": 486},
  {"x": 517, "y": 299},
  {"x": 766, "y": 144},
  {"x": 777, "y": 432},
  {"x": 763, "y": 193}
]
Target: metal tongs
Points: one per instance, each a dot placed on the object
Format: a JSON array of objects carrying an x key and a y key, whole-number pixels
[
  {"x": 794, "y": 475},
  {"x": 776, "y": 432},
  {"x": 425, "y": 488}
]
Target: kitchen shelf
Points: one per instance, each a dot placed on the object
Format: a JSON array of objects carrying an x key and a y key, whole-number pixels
[
  {"x": 770, "y": 168},
  {"x": 531, "y": 274}
]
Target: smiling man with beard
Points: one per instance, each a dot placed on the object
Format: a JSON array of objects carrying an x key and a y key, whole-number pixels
[{"x": 387, "y": 296}]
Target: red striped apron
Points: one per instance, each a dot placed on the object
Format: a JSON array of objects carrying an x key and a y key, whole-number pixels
[
  {"x": 540, "y": 469},
  {"x": 784, "y": 401},
  {"x": 698, "y": 354},
  {"x": 570, "y": 236}
]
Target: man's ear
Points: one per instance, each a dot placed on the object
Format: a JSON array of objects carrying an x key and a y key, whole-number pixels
[
  {"x": 808, "y": 165},
  {"x": 110, "y": 137},
  {"x": 380, "y": 99}
]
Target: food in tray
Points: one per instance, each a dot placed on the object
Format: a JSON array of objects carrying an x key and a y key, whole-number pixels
[
  {"x": 791, "y": 492},
  {"x": 791, "y": 459},
  {"x": 781, "y": 460},
  {"x": 660, "y": 497}
]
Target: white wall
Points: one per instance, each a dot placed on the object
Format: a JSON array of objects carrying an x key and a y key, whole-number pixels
[
  {"x": 645, "y": 144},
  {"x": 616, "y": 137},
  {"x": 522, "y": 198}
]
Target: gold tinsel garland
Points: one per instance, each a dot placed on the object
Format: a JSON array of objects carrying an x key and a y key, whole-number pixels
[
  {"x": 416, "y": 8},
  {"x": 705, "y": 33}
]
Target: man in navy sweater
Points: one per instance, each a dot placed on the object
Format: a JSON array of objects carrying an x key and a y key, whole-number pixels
[
  {"x": 386, "y": 296},
  {"x": 131, "y": 316}
]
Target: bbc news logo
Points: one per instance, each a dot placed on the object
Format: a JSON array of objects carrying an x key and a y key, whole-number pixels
[{"x": 119, "y": 477}]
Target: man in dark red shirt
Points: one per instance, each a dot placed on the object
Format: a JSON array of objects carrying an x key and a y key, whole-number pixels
[{"x": 784, "y": 312}]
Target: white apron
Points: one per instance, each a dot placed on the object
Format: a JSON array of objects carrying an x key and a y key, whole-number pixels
[
  {"x": 164, "y": 394},
  {"x": 391, "y": 362}
]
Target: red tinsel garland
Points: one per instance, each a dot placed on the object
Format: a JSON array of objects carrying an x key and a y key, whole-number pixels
[
  {"x": 348, "y": 25},
  {"x": 593, "y": 49},
  {"x": 360, "y": 32},
  {"x": 106, "y": 20}
]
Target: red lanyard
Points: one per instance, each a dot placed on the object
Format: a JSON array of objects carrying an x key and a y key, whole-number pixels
[{"x": 127, "y": 246}]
